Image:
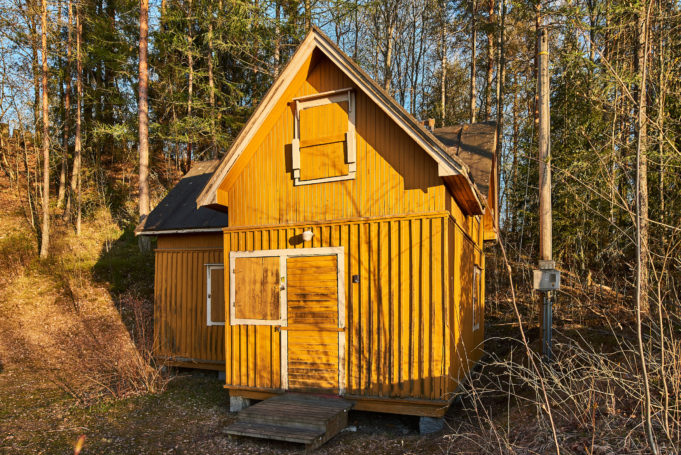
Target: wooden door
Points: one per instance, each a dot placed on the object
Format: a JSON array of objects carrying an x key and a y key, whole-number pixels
[{"x": 313, "y": 329}]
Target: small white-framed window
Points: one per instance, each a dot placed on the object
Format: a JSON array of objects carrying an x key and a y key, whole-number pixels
[
  {"x": 476, "y": 296},
  {"x": 215, "y": 294},
  {"x": 323, "y": 145}
]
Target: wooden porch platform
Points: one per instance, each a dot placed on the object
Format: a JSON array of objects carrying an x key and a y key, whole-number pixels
[{"x": 294, "y": 417}]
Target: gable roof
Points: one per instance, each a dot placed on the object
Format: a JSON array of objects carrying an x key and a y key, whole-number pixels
[
  {"x": 475, "y": 144},
  {"x": 177, "y": 212},
  {"x": 450, "y": 167}
]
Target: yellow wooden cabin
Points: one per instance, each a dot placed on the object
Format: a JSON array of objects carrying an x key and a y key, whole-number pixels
[{"x": 353, "y": 249}]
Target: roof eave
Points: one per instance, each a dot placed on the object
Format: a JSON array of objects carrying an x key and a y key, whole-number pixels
[{"x": 179, "y": 231}]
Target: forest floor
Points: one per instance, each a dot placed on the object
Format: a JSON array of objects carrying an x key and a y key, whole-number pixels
[
  {"x": 71, "y": 364},
  {"x": 188, "y": 417}
]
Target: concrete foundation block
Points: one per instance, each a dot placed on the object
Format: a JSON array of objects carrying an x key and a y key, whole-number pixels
[
  {"x": 429, "y": 425},
  {"x": 222, "y": 375},
  {"x": 236, "y": 404}
]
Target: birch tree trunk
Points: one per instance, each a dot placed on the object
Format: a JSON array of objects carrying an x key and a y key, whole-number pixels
[
  {"x": 387, "y": 58},
  {"x": 308, "y": 16},
  {"x": 277, "y": 38},
  {"x": 45, "y": 230},
  {"x": 642, "y": 136}
]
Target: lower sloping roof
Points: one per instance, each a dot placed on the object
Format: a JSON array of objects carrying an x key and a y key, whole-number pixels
[
  {"x": 177, "y": 212},
  {"x": 475, "y": 145}
]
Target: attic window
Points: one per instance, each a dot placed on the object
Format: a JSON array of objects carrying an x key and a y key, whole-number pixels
[{"x": 324, "y": 137}]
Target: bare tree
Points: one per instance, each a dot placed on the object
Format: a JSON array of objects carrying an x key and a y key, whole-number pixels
[
  {"x": 474, "y": 39},
  {"x": 211, "y": 86},
  {"x": 45, "y": 230},
  {"x": 143, "y": 109},
  {"x": 78, "y": 147},
  {"x": 190, "y": 82},
  {"x": 67, "y": 108},
  {"x": 642, "y": 208},
  {"x": 489, "y": 72}
]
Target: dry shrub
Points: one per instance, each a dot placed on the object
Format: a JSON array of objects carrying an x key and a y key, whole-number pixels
[
  {"x": 17, "y": 249},
  {"x": 109, "y": 348},
  {"x": 595, "y": 398},
  {"x": 57, "y": 320}
]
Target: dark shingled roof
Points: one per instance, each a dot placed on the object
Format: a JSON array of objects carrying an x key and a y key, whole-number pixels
[
  {"x": 177, "y": 211},
  {"x": 474, "y": 144}
]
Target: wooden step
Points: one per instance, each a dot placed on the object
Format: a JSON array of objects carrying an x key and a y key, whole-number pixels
[
  {"x": 303, "y": 418},
  {"x": 276, "y": 432}
]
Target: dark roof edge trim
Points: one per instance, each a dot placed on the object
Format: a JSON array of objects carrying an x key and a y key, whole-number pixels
[{"x": 179, "y": 231}]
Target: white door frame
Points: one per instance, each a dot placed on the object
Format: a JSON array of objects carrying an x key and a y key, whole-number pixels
[{"x": 283, "y": 255}]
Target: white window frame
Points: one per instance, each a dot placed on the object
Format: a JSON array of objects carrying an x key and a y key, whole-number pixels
[
  {"x": 322, "y": 99},
  {"x": 477, "y": 278},
  {"x": 209, "y": 269}
]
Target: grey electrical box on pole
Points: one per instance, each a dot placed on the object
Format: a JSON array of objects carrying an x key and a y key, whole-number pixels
[{"x": 546, "y": 278}]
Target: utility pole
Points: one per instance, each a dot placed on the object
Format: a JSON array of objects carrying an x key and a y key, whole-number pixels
[{"x": 546, "y": 278}]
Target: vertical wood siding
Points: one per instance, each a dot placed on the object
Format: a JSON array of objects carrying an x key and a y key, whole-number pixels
[
  {"x": 394, "y": 175},
  {"x": 180, "y": 330},
  {"x": 465, "y": 244},
  {"x": 397, "y": 336}
]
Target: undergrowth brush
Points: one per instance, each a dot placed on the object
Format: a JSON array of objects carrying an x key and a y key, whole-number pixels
[{"x": 82, "y": 317}]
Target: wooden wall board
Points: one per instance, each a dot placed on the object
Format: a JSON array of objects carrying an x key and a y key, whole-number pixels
[{"x": 180, "y": 296}]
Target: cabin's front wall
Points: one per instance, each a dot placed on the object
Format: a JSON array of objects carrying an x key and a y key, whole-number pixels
[
  {"x": 408, "y": 332},
  {"x": 181, "y": 335},
  {"x": 394, "y": 175},
  {"x": 397, "y": 341}
]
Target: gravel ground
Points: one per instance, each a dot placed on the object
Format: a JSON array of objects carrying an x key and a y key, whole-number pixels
[{"x": 38, "y": 418}]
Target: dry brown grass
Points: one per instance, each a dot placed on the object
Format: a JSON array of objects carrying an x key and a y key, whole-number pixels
[
  {"x": 593, "y": 389},
  {"x": 57, "y": 319}
]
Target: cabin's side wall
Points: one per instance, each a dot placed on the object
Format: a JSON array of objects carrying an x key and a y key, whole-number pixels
[
  {"x": 397, "y": 342},
  {"x": 181, "y": 335},
  {"x": 465, "y": 236},
  {"x": 394, "y": 175}
]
